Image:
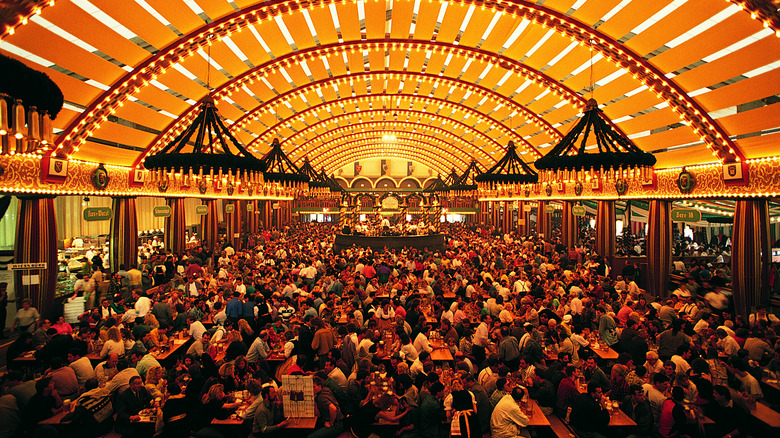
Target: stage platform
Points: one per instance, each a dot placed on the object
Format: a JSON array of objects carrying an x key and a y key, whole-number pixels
[{"x": 430, "y": 241}]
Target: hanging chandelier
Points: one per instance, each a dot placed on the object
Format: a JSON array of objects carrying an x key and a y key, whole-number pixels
[
  {"x": 465, "y": 184},
  {"x": 280, "y": 170},
  {"x": 616, "y": 156},
  {"x": 319, "y": 184},
  {"x": 213, "y": 156},
  {"x": 507, "y": 177}
]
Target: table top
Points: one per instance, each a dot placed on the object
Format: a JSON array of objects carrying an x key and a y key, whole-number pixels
[
  {"x": 608, "y": 354},
  {"x": 618, "y": 418},
  {"x": 535, "y": 415},
  {"x": 772, "y": 383},
  {"x": 55, "y": 419},
  {"x": 766, "y": 414},
  {"x": 440, "y": 351}
]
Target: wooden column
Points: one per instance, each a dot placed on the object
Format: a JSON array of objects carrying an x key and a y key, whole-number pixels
[
  {"x": 36, "y": 242},
  {"x": 523, "y": 219},
  {"x": 123, "y": 247},
  {"x": 605, "y": 228},
  {"x": 233, "y": 222},
  {"x": 175, "y": 227},
  {"x": 659, "y": 247},
  {"x": 252, "y": 217},
  {"x": 750, "y": 255}
]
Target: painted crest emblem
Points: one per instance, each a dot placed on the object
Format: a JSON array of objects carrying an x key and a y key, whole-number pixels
[
  {"x": 686, "y": 181},
  {"x": 548, "y": 190},
  {"x": 100, "y": 177},
  {"x": 578, "y": 188},
  {"x": 203, "y": 186},
  {"x": 621, "y": 186}
]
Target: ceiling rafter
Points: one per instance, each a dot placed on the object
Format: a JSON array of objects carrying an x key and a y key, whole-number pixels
[{"x": 428, "y": 139}]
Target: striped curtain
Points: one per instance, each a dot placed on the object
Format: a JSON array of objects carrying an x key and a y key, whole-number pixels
[
  {"x": 123, "y": 234},
  {"x": 233, "y": 222},
  {"x": 605, "y": 228},
  {"x": 253, "y": 217},
  {"x": 209, "y": 225},
  {"x": 659, "y": 248},
  {"x": 543, "y": 220},
  {"x": 36, "y": 242},
  {"x": 569, "y": 231},
  {"x": 175, "y": 227},
  {"x": 750, "y": 240}
]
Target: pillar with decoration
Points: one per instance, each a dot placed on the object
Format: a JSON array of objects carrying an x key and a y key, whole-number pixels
[
  {"x": 750, "y": 255},
  {"x": 252, "y": 216},
  {"x": 233, "y": 222},
  {"x": 36, "y": 242},
  {"x": 569, "y": 229},
  {"x": 605, "y": 228},
  {"x": 123, "y": 246},
  {"x": 523, "y": 219},
  {"x": 659, "y": 247},
  {"x": 175, "y": 226}
]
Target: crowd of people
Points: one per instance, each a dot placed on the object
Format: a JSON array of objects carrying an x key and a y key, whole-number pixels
[{"x": 520, "y": 316}]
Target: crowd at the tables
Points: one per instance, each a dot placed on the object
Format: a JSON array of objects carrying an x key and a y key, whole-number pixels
[{"x": 520, "y": 316}]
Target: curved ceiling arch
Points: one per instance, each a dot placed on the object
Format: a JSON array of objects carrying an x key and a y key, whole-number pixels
[
  {"x": 413, "y": 153},
  {"x": 351, "y": 156},
  {"x": 711, "y": 132},
  {"x": 375, "y": 138},
  {"x": 446, "y": 81},
  {"x": 299, "y": 155}
]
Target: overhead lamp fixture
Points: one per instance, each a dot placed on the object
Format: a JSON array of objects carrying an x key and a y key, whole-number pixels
[
  {"x": 466, "y": 184},
  {"x": 507, "y": 177},
  {"x": 617, "y": 156},
  {"x": 281, "y": 170}
]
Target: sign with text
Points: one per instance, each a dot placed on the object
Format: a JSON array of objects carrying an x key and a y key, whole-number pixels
[
  {"x": 549, "y": 209},
  {"x": 527, "y": 208},
  {"x": 578, "y": 210},
  {"x": 26, "y": 266},
  {"x": 250, "y": 207},
  {"x": 686, "y": 215},
  {"x": 230, "y": 208},
  {"x": 95, "y": 214},
  {"x": 201, "y": 210},
  {"x": 161, "y": 211}
]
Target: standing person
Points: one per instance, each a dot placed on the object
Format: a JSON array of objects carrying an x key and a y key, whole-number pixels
[
  {"x": 27, "y": 317},
  {"x": 268, "y": 420},
  {"x": 3, "y": 307},
  {"x": 508, "y": 420},
  {"x": 329, "y": 412}
]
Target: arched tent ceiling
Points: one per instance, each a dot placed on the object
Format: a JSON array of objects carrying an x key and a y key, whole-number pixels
[{"x": 692, "y": 81}]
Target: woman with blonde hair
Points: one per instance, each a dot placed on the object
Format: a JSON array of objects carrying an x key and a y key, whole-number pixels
[
  {"x": 155, "y": 384},
  {"x": 114, "y": 345},
  {"x": 151, "y": 320},
  {"x": 227, "y": 377},
  {"x": 214, "y": 404},
  {"x": 235, "y": 346}
]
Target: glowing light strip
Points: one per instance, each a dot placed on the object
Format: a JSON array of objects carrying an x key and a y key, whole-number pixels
[{"x": 10, "y": 29}]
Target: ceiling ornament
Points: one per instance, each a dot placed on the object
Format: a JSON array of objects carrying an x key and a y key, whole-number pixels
[
  {"x": 466, "y": 184},
  {"x": 616, "y": 156},
  {"x": 280, "y": 170},
  {"x": 213, "y": 155},
  {"x": 507, "y": 177}
]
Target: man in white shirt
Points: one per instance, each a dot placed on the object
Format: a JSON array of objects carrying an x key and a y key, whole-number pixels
[
  {"x": 81, "y": 366},
  {"x": 105, "y": 370},
  {"x": 335, "y": 372},
  {"x": 259, "y": 348},
  {"x": 507, "y": 419},
  {"x": 196, "y": 327},
  {"x": 421, "y": 342},
  {"x": 121, "y": 379},
  {"x": 142, "y": 303}
]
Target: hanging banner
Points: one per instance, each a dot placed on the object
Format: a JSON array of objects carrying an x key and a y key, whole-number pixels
[
  {"x": 686, "y": 215},
  {"x": 549, "y": 209},
  {"x": 161, "y": 211},
  {"x": 578, "y": 210},
  {"x": 202, "y": 210},
  {"x": 96, "y": 214},
  {"x": 230, "y": 208}
]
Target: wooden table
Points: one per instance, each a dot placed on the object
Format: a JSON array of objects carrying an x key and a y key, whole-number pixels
[
  {"x": 55, "y": 419},
  {"x": 768, "y": 416},
  {"x": 618, "y": 418},
  {"x": 440, "y": 351},
  {"x": 608, "y": 354},
  {"x": 177, "y": 343},
  {"x": 536, "y": 417},
  {"x": 449, "y": 296},
  {"x": 772, "y": 383}
]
